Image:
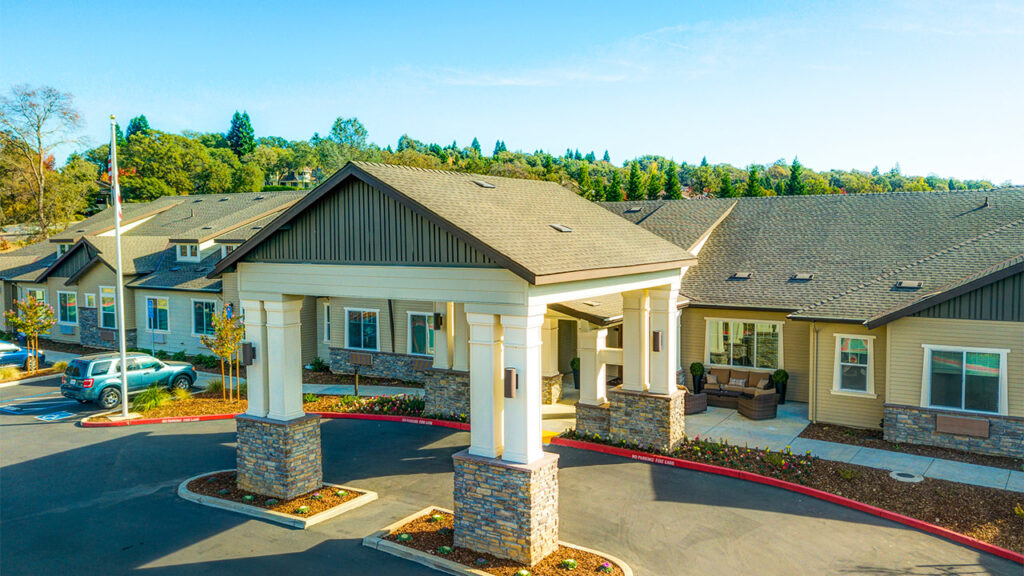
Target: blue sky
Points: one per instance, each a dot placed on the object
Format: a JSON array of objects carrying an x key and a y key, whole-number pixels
[{"x": 935, "y": 86}]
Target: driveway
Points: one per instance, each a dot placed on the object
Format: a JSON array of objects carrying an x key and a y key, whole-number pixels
[{"x": 102, "y": 501}]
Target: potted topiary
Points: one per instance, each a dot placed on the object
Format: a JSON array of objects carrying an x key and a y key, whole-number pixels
[
  {"x": 575, "y": 365},
  {"x": 780, "y": 378},
  {"x": 697, "y": 370}
]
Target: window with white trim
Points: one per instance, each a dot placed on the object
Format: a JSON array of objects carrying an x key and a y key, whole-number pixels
[
  {"x": 38, "y": 293},
  {"x": 90, "y": 300},
  {"x": 108, "y": 308},
  {"x": 327, "y": 322},
  {"x": 744, "y": 343},
  {"x": 62, "y": 249},
  {"x": 421, "y": 333},
  {"x": 203, "y": 312},
  {"x": 853, "y": 370},
  {"x": 67, "y": 307},
  {"x": 157, "y": 314},
  {"x": 361, "y": 329},
  {"x": 188, "y": 252},
  {"x": 226, "y": 249},
  {"x": 970, "y": 379}
]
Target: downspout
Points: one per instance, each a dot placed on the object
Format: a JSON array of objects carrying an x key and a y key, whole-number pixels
[
  {"x": 391, "y": 321},
  {"x": 814, "y": 373}
]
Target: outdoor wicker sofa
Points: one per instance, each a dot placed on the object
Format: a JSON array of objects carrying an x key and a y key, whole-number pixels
[{"x": 751, "y": 393}]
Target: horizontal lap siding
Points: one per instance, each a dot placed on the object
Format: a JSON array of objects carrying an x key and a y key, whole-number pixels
[
  {"x": 100, "y": 275},
  {"x": 179, "y": 321},
  {"x": 402, "y": 309},
  {"x": 54, "y": 285},
  {"x": 844, "y": 409},
  {"x": 907, "y": 335},
  {"x": 339, "y": 324},
  {"x": 308, "y": 329}
]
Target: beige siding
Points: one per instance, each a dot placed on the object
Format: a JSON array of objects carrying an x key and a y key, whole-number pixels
[
  {"x": 795, "y": 343},
  {"x": 402, "y": 309},
  {"x": 844, "y": 408},
  {"x": 54, "y": 285},
  {"x": 323, "y": 347},
  {"x": 100, "y": 275},
  {"x": 906, "y": 362},
  {"x": 338, "y": 324},
  {"x": 179, "y": 320},
  {"x": 229, "y": 289}
]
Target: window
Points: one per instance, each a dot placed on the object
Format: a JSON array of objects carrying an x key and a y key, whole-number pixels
[
  {"x": 227, "y": 249},
  {"x": 744, "y": 343},
  {"x": 38, "y": 293},
  {"x": 156, "y": 314},
  {"x": 188, "y": 252},
  {"x": 361, "y": 329},
  {"x": 100, "y": 368},
  {"x": 67, "y": 307},
  {"x": 108, "y": 308},
  {"x": 327, "y": 322},
  {"x": 203, "y": 312},
  {"x": 90, "y": 300},
  {"x": 972, "y": 379},
  {"x": 421, "y": 333},
  {"x": 853, "y": 371},
  {"x": 62, "y": 249}
]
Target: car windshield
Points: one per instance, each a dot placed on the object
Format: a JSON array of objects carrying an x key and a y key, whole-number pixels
[{"x": 76, "y": 368}]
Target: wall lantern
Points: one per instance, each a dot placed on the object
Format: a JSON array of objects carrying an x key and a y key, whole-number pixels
[
  {"x": 438, "y": 320},
  {"x": 511, "y": 382},
  {"x": 248, "y": 354},
  {"x": 656, "y": 340}
]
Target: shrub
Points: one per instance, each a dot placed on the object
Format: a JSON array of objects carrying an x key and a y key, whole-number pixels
[
  {"x": 150, "y": 398},
  {"x": 318, "y": 365},
  {"x": 847, "y": 474},
  {"x": 206, "y": 360},
  {"x": 60, "y": 366},
  {"x": 574, "y": 363},
  {"x": 179, "y": 356},
  {"x": 310, "y": 397},
  {"x": 161, "y": 354},
  {"x": 214, "y": 386},
  {"x": 1019, "y": 510},
  {"x": 697, "y": 369},
  {"x": 568, "y": 564},
  {"x": 180, "y": 394},
  {"x": 780, "y": 376},
  {"x": 9, "y": 373}
]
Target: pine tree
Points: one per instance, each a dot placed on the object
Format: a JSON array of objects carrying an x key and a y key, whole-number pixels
[
  {"x": 586, "y": 189},
  {"x": 613, "y": 193},
  {"x": 568, "y": 153},
  {"x": 137, "y": 125},
  {"x": 727, "y": 190},
  {"x": 753, "y": 186},
  {"x": 796, "y": 186},
  {"x": 241, "y": 138},
  {"x": 475, "y": 146},
  {"x": 606, "y": 157},
  {"x": 951, "y": 185},
  {"x": 634, "y": 187},
  {"x": 673, "y": 189},
  {"x": 590, "y": 157},
  {"x": 577, "y": 156},
  {"x": 121, "y": 138},
  {"x": 704, "y": 161},
  {"x": 497, "y": 148},
  {"x": 654, "y": 183}
]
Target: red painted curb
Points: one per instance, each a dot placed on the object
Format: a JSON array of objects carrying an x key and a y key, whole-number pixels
[
  {"x": 805, "y": 490},
  {"x": 169, "y": 420},
  {"x": 390, "y": 418}
]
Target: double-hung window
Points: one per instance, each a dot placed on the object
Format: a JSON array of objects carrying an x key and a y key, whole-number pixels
[
  {"x": 970, "y": 379},
  {"x": 67, "y": 307},
  {"x": 421, "y": 333},
  {"x": 361, "y": 329},
  {"x": 203, "y": 312},
  {"x": 188, "y": 252},
  {"x": 38, "y": 293},
  {"x": 854, "y": 372},
  {"x": 108, "y": 308},
  {"x": 157, "y": 310},
  {"x": 327, "y": 322},
  {"x": 744, "y": 343}
]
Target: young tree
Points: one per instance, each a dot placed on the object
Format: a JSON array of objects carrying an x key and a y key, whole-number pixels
[
  {"x": 241, "y": 137},
  {"x": 634, "y": 186},
  {"x": 673, "y": 188},
  {"x": 33, "y": 122},
  {"x": 795, "y": 185},
  {"x": 31, "y": 317},
  {"x": 753, "y": 185},
  {"x": 228, "y": 332},
  {"x": 606, "y": 157},
  {"x": 726, "y": 189},
  {"x": 138, "y": 125},
  {"x": 613, "y": 193}
]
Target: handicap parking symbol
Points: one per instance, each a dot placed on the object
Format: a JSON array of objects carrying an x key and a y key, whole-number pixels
[{"x": 54, "y": 416}]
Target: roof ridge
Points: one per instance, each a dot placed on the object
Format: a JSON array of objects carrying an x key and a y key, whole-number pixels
[
  {"x": 909, "y": 265},
  {"x": 444, "y": 172}
]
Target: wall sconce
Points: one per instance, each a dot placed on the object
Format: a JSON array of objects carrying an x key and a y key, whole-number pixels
[
  {"x": 248, "y": 354},
  {"x": 511, "y": 382},
  {"x": 656, "y": 340},
  {"x": 438, "y": 320}
]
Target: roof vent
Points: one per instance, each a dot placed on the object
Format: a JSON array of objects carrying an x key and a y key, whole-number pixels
[
  {"x": 592, "y": 303},
  {"x": 207, "y": 227},
  {"x": 908, "y": 285},
  {"x": 634, "y": 210},
  {"x": 197, "y": 200},
  {"x": 483, "y": 184},
  {"x": 801, "y": 277},
  {"x": 175, "y": 268},
  {"x": 260, "y": 198},
  {"x": 741, "y": 276},
  {"x": 561, "y": 227},
  {"x": 223, "y": 200}
]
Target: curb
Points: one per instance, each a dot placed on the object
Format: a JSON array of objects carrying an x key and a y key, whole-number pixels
[
  {"x": 85, "y": 423},
  {"x": 270, "y": 515},
  {"x": 800, "y": 489},
  {"x": 377, "y": 542},
  {"x": 464, "y": 426}
]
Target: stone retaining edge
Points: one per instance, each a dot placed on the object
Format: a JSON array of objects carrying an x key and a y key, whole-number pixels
[
  {"x": 798, "y": 488},
  {"x": 270, "y": 515},
  {"x": 377, "y": 542}
]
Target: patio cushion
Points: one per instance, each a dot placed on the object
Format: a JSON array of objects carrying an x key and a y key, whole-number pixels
[
  {"x": 763, "y": 392},
  {"x": 721, "y": 373},
  {"x": 733, "y": 387},
  {"x": 751, "y": 390},
  {"x": 737, "y": 382},
  {"x": 762, "y": 381},
  {"x": 712, "y": 382},
  {"x": 739, "y": 375}
]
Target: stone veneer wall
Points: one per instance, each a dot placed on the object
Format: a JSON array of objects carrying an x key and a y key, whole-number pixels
[
  {"x": 914, "y": 425},
  {"x": 592, "y": 420},
  {"x": 407, "y": 367},
  {"x": 446, "y": 392},
  {"x": 279, "y": 459},
  {"x": 505, "y": 509},
  {"x": 550, "y": 389},
  {"x": 89, "y": 332},
  {"x": 650, "y": 420}
]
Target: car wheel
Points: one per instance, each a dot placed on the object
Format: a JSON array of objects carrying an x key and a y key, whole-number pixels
[
  {"x": 110, "y": 397},
  {"x": 181, "y": 382}
]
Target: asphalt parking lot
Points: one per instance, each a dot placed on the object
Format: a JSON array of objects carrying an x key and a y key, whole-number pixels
[{"x": 103, "y": 501}]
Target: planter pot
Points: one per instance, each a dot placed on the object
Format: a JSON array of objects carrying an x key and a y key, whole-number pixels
[
  {"x": 576, "y": 378},
  {"x": 780, "y": 388},
  {"x": 698, "y": 384}
]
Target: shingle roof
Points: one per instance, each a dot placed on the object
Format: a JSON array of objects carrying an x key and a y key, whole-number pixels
[
  {"x": 681, "y": 223},
  {"x": 243, "y": 233},
  {"x": 139, "y": 254},
  {"x": 204, "y": 216},
  {"x": 169, "y": 274},
  {"x": 104, "y": 220},
  {"x": 25, "y": 264}
]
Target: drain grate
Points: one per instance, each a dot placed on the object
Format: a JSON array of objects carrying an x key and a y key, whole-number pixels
[{"x": 905, "y": 476}]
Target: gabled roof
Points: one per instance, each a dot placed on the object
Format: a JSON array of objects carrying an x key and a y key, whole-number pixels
[
  {"x": 25, "y": 264},
  {"x": 104, "y": 220},
  {"x": 205, "y": 216},
  {"x": 169, "y": 274},
  {"x": 509, "y": 220},
  {"x": 683, "y": 224}
]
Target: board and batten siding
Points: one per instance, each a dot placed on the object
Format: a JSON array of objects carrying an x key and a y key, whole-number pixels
[
  {"x": 357, "y": 224},
  {"x": 179, "y": 320},
  {"x": 1001, "y": 301},
  {"x": 906, "y": 360},
  {"x": 846, "y": 409},
  {"x": 74, "y": 262},
  {"x": 795, "y": 343}
]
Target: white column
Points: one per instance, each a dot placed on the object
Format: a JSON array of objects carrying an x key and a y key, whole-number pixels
[
  {"x": 636, "y": 346},
  {"x": 460, "y": 344},
  {"x": 593, "y": 383},
  {"x": 485, "y": 385},
  {"x": 256, "y": 378},
  {"x": 284, "y": 357},
  {"x": 443, "y": 338},
  {"x": 663, "y": 318},
  {"x": 549, "y": 348},
  {"x": 522, "y": 336}
]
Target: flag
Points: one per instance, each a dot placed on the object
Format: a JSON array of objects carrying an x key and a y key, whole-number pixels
[{"x": 115, "y": 188}]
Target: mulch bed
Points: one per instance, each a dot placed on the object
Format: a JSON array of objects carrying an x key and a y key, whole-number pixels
[
  {"x": 22, "y": 375},
  {"x": 428, "y": 536},
  {"x": 330, "y": 378},
  {"x": 874, "y": 439},
  {"x": 201, "y": 404},
  {"x": 223, "y": 485}
]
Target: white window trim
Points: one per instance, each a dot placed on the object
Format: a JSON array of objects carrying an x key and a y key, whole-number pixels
[
  {"x": 326, "y": 336},
  {"x": 837, "y": 366},
  {"x": 707, "y": 343},
  {"x": 926, "y": 377},
  {"x": 99, "y": 309},
  {"x": 25, "y": 293},
  {"x": 224, "y": 249},
  {"x": 90, "y": 296},
  {"x": 376, "y": 311},
  {"x": 198, "y": 257},
  {"x": 63, "y": 249},
  {"x": 59, "y": 321},
  {"x": 408, "y": 336},
  {"x": 146, "y": 312},
  {"x": 192, "y": 307}
]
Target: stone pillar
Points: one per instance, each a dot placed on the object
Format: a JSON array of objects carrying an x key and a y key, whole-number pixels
[
  {"x": 650, "y": 420},
  {"x": 664, "y": 363},
  {"x": 551, "y": 378},
  {"x": 636, "y": 346},
  {"x": 460, "y": 339},
  {"x": 279, "y": 459},
  {"x": 591, "y": 340},
  {"x": 256, "y": 375},
  {"x": 284, "y": 371},
  {"x": 486, "y": 394},
  {"x": 444, "y": 338},
  {"x": 522, "y": 350}
]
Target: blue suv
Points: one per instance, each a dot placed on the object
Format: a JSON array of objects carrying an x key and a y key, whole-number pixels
[
  {"x": 14, "y": 355},
  {"x": 97, "y": 377}
]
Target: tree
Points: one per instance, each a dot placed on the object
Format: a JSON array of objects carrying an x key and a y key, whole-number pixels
[
  {"x": 139, "y": 125},
  {"x": 33, "y": 122},
  {"x": 228, "y": 332},
  {"x": 795, "y": 186},
  {"x": 349, "y": 133},
  {"x": 653, "y": 182},
  {"x": 590, "y": 157},
  {"x": 673, "y": 189},
  {"x": 613, "y": 193},
  {"x": 753, "y": 185},
  {"x": 31, "y": 317},
  {"x": 634, "y": 187},
  {"x": 475, "y": 146},
  {"x": 606, "y": 157},
  {"x": 726, "y": 189},
  {"x": 586, "y": 188},
  {"x": 704, "y": 161},
  {"x": 241, "y": 137},
  {"x": 499, "y": 147}
]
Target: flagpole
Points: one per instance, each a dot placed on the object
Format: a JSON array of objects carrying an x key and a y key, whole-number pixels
[{"x": 115, "y": 192}]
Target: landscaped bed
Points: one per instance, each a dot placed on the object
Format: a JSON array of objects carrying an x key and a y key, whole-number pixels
[
  {"x": 432, "y": 534},
  {"x": 986, "y": 514},
  {"x": 875, "y": 439},
  {"x": 11, "y": 374},
  {"x": 223, "y": 485}
]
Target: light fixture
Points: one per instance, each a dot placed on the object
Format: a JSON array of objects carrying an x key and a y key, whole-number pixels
[
  {"x": 656, "y": 340},
  {"x": 438, "y": 320},
  {"x": 511, "y": 382}
]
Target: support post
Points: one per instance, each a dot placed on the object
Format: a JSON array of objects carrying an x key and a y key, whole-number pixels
[
  {"x": 593, "y": 384},
  {"x": 522, "y": 337},
  {"x": 257, "y": 381},
  {"x": 636, "y": 346},
  {"x": 485, "y": 385},
  {"x": 284, "y": 340},
  {"x": 444, "y": 338},
  {"x": 551, "y": 378},
  {"x": 460, "y": 344},
  {"x": 664, "y": 363}
]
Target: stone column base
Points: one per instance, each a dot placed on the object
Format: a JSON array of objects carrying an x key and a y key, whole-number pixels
[
  {"x": 550, "y": 389},
  {"x": 279, "y": 459},
  {"x": 649, "y": 420},
  {"x": 446, "y": 392},
  {"x": 506, "y": 509},
  {"x": 591, "y": 420}
]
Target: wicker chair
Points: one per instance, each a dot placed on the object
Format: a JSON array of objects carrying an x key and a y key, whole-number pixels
[{"x": 760, "y": 407}]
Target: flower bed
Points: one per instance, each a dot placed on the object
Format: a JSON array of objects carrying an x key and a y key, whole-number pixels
[
  {"x": 222, "y": 485},
  {"x": 432, "y": 533}
]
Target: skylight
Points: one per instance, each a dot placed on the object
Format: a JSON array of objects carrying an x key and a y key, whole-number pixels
[
  {"x": 908, "y": 285},
  {"x": 802, "y": 277},
  {"x": 741, "y": 276},
  {"x": 592, "y": 303},
  {"x": 561, "y": 227},
  {"x": 634, "y": 210}
]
